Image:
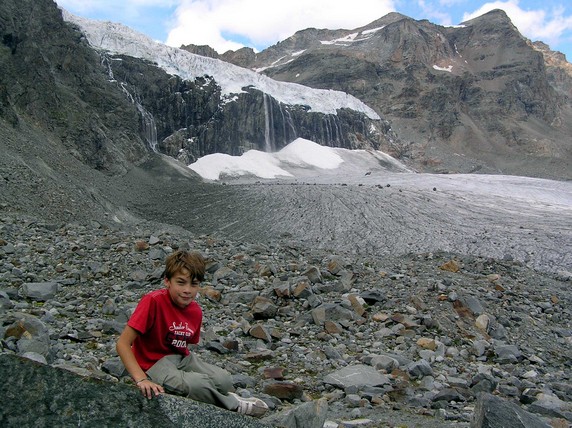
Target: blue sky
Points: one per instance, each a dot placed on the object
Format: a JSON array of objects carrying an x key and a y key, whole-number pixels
[{"x": 231, "y": 24}]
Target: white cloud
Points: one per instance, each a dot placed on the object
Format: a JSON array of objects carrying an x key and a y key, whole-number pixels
[
  {"x": 535, "y": 24},
  {"x": 434, "y": 14},
  {"x": 264, "y": 22}
]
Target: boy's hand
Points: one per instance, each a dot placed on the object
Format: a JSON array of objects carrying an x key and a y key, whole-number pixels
[{"x": 149, "y": 388}]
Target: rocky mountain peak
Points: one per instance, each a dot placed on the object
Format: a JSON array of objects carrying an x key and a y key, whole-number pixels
[
  {"x": 496, "y": 17},
  {"x": 203, "y": 50},
  {"x": 474, "y": 97}
]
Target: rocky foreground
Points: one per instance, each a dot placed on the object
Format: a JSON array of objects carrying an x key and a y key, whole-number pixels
[{"x": 431, "y": 339}]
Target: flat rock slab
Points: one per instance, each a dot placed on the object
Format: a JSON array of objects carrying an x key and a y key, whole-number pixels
[{"x": 357, "y": 375}]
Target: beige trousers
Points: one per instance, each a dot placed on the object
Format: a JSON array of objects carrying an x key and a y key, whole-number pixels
[{"x": 191, "y": 377}]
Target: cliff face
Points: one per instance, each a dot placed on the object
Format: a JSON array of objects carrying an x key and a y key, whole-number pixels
[
  {"x": 52, "y": 80},
  {"x": 192, "y": 118},
  {"x": 477, "y": 97}
]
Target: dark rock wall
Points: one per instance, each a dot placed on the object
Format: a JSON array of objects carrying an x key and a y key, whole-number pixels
[
  {"x": 192, "y": 119},
  {"x": 51, "y": 78}
]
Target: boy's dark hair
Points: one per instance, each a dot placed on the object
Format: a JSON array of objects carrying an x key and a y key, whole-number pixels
[{"x": 181, "y": 260}]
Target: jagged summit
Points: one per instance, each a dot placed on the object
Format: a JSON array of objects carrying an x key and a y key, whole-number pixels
[
  {"x": 494, "y": 17},
  {"x": 387, "y": 19}
]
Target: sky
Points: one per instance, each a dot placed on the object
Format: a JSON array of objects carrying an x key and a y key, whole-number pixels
[{"x": 232, "y": 24}]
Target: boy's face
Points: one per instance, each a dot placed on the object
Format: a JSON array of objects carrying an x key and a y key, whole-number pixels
[{"x": 182, "y": 289}]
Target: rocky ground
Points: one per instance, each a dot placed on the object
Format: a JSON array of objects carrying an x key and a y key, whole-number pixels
[
  {"x": 387, "y": 341},
  {"x": 306, "y": 279}
]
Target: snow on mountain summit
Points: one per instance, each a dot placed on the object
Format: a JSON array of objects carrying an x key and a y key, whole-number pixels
[{"x": 119, "y": 39}]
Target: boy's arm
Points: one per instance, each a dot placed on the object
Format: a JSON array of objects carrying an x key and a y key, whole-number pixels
[{"x": 125, "y": 352}]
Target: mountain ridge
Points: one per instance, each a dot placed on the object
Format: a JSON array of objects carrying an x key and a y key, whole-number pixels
[{"x": 479, "y": 91}]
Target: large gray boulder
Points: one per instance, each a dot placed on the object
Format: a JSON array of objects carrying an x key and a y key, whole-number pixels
[
  {"x": 494, "y": 412},
  {"x": 34, "y": 394}
]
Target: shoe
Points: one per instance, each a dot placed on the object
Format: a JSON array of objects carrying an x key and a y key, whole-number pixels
[{"x": 250, "y": 406}]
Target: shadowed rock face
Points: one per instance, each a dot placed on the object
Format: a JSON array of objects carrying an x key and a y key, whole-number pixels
[
  {"x": 191, "y": 121},
  {"x": 57, "y": 397},
  {"x": 51, "y": 79}
]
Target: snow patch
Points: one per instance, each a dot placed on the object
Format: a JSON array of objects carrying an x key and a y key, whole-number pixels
[
  {"x": 300, "y": 153},
  {"x": 373, "y": 30},
  {"x": 122, "y": 40},
  {"x": 448, "y": 69},
  {"x": 347, "y": 39}
]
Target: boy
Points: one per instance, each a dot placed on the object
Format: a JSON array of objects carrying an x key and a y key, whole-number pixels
[{"x": 154, "y": 344}]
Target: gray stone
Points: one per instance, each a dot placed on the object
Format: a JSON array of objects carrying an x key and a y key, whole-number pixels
[
  {"x": 34, "y": 356},
  {"x": 420, "y": 368},
  {"x": 473, "y": 304},
  {"x": 308, "y": 415},
  {"x": 244, "y": 297},
  {"x": 384, "y": 362},
  {"x": 313, "y": 274},
  {"x": 40, "y": 291},
  {"x": 5, "y": 302},
  {"x": 224, "y": 273},
  {"x": 358, "y": 375},
  {"x": 331, "y": 312},
  {"x": 449, "y": 394},
  {"x": 115, "y": 367},
  {"x": 494, "y": 412},
  {"x": 506, "y": 354}
]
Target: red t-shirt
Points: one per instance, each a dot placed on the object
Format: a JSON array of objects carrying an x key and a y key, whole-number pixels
[{"x": 164, "y": 328}]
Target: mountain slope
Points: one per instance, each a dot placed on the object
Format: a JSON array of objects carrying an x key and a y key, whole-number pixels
[{"x": 478, "y": 97}]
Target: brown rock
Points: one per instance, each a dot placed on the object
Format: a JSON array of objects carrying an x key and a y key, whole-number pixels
[
  {"x": 450, "y": 266},
  {"x": 403, "y": 319},
  {"x": 141, "y": 245},
  {"x": 418, "y": 303},
  {"x": 334, "y": 266},
  {"x": 282, "y": 290},
  {"x": 259, "y": 356},
  {"x": 332, "y": 327},
  {"x": 462, "y": 310},
  {"x": 260, "y": 332},
  {"x": 302, "y": 290},
  {"x": 427, "y": 343},
  {"x": 231, "y": 345},
  {"x": 380, "y": 317},
  {"x": 276, "y": 373},
  {"x": 263, "y": 308},
  {"x": 284, "y": 390},
  {"x": 356, "y": 305},
  {"x": 211, "y": 294}
]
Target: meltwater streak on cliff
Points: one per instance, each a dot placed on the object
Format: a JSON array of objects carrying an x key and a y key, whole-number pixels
[
  {"x": 119, "y": 39},
  {"x": 147, "y": 119}
]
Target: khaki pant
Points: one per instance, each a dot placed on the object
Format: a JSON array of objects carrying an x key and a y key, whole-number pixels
[{"x": 190, "y": 376}]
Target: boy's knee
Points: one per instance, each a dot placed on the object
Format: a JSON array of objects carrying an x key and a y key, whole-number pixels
[{"x": 223, "y": 381}]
